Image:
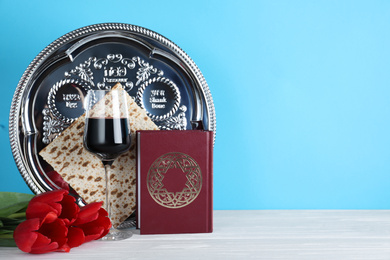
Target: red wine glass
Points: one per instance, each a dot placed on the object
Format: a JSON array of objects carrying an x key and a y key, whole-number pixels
[{"x": 107, "y": 135}]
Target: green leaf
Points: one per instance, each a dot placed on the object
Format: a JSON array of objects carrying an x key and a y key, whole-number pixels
[
  {"x": 17, "y": 215},
  {"x": 6, "y": 236},
  {"x": 13, "y": 207},
  {"x": 11, "y": 221},
  {"x": 7, "y": 230},
  {"x": 3, "y": 231},
  {"x": 7, "y": 242},
  {"x": 12, "y": 202}
]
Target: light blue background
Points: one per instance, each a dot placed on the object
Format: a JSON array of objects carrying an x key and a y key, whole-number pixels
[{"x": 301, "y": 90}]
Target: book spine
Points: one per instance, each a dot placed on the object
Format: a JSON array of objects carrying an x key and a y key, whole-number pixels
[
  {"x": 138, "y": 185},
  {"x": 210, "y": 148}
]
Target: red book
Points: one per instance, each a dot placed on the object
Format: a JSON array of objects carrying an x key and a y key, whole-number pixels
[{"x": 175, "y": 181}]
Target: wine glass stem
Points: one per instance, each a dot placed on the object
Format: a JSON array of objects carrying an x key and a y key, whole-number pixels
[{"x": 107, "y": 168}]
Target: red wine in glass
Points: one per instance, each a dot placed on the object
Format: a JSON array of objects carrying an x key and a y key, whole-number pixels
[{"x": 107, "y": 137}]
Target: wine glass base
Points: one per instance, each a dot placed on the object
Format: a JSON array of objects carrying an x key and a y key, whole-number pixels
[{"x": 116, "y": 235}]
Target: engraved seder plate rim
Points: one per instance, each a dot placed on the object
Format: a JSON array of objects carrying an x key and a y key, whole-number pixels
[{"x": 23, "y": 135}]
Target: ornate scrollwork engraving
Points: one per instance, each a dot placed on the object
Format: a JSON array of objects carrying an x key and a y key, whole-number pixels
[
  {"x": 145, "y": 71},
  {"x": 83, "y": 72},
  {"x": 51, "y": 126},
  {"x": 102, "y": 73},
  {"x": 114, "y": 74},
  {"x": 178, "y": 122}
]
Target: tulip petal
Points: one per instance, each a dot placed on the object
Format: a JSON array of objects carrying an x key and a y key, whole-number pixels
[
  {"x": 103, "y": 213},
  {"x": 69, "y": 210},
  {"x": 76, "y": 237},
  {"x": 43, "y": 245},
  {"x": 24, "y": 234},
  {"x": 51, "y": 197},
  {"x": 88, "y": 213},
  {"x": 94, "y": 236},
  {"x": 41, "y": 210},
  {"x": 56, "y": 231},
  {"x": 97, "y": 228}
]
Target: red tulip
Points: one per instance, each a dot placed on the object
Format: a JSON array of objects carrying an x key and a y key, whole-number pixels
[
  {"x": 57, "y": 201},
  {"x": 56, "y": 223},
  {"x": 37, "y": 236}
]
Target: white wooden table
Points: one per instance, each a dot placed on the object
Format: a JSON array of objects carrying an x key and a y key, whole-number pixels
[{"x": 261, "y": 234}]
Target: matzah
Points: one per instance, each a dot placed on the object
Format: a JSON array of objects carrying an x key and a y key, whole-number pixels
[{"x": 84, "y": 172}]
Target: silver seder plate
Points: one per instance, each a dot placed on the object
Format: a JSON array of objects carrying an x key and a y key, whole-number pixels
[{"x": 161, "y": 77}]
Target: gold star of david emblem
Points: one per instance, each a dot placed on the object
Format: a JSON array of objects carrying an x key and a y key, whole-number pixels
[{"x": 165, "y": 165}]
